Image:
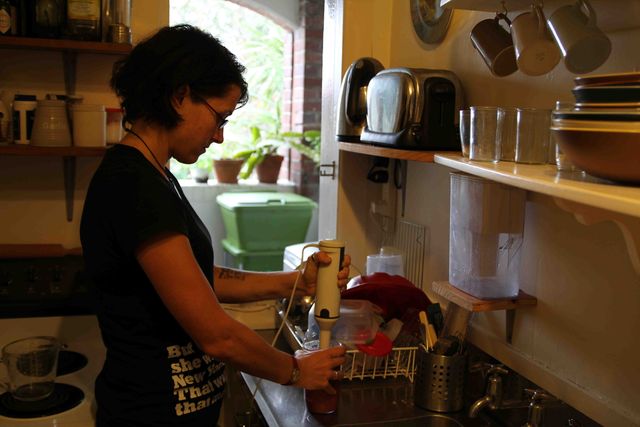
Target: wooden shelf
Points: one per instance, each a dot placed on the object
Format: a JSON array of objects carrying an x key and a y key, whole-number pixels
[
  {"x": 8, "y": 42},
  {"x": 30, "y": 150},
  {"x": 545, "y": 179},
  {"x": 463, "y": 300},
  {"x": 68, "y": 154},
  {"x": 392, "y": 153},
  {"x": 471, "y": 303}
]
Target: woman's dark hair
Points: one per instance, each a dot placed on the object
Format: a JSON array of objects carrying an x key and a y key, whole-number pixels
[{"x": 172, "y": 59}]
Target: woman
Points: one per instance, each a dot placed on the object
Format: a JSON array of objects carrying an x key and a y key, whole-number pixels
[{"x": 159, "y": 294}]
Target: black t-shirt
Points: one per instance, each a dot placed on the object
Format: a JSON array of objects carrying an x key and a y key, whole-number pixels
[{"x": 153, "y": 375}]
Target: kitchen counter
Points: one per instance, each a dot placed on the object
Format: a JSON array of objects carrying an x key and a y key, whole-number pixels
[{"x": 379, "y": 402}]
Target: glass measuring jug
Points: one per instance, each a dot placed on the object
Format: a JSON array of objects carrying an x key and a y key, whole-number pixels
[{"x": 31, "y": 366}]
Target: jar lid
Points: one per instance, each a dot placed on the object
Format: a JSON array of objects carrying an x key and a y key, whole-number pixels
[
  {"x": 113, "y": 110},
  {"x": 88, "y": 107}
]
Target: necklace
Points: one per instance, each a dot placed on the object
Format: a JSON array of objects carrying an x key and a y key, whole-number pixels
[{"x": 162, "y": 168}]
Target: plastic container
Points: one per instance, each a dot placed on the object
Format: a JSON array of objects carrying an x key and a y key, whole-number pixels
[
  {"x": 89, "y": 125},
  {"x": 485, "y": 236},
  {"x": 389, "y": 261},
  {"x": 253, "y": 260},
  {"x": 265, "y": 221},
  {"x": 357, "y": 324},
  {"x": 24, "y": 107},
  {"x": 114, "y": 125}
]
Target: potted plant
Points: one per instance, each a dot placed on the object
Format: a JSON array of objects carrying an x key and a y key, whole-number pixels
[
  {"x": 263, "y": 155},
  {"x": 201, "y": 171},
  {"x": 225, "y": 166}
]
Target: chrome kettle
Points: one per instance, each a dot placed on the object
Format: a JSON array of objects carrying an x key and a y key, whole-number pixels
[{"x": 352, "y": 105}]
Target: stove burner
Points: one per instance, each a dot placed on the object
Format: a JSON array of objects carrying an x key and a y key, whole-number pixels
[
  {"x": 70, "y": 361},
  {"x": 63, "y": 398}
]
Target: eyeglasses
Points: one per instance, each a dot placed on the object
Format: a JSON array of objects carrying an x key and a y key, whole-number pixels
[{"x": 221, "y": 120}]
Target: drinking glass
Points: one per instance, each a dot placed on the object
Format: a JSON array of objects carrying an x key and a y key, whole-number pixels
[
  {"x": 507, "y": 132},
  {"x": 464, "y": 131},
  {"x": 533, "y": 135},
  {"x": 484, "y": 124}
]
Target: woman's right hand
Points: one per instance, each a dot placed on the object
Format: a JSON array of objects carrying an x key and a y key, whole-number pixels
[{"x": 318, "y": 367}]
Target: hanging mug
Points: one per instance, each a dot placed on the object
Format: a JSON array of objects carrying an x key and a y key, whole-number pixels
[
  {"x": 536, "y": 51},
  {"x": 495, "y": 45},
  {"x": 584, "y": 46}
]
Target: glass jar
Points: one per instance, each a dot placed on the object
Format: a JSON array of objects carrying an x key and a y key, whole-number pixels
[
  {"x": 116, "y": 21},
  {"x": 83, "y": 19},
  {"x": 48, "y": 18}
]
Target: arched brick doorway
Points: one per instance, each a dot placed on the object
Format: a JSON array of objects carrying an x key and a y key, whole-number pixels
[{"x": 302, "y": 96}]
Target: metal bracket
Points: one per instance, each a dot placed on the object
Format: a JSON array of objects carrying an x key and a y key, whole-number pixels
[
  {"x": 328, "y": 170},
  {"x": 69, "y": 170},
  {"x": 510, "y": 319}
]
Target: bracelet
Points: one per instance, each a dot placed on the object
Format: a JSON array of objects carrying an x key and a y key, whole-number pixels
[{"x": 295, "y": 372}]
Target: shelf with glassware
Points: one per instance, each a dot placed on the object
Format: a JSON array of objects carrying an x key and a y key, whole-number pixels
[
  {"x": 391, "y": 153},
  {"x": 590, "y": 200},
  {"x": 70, "y": 50},
  {"x": 78, "y": 46}
]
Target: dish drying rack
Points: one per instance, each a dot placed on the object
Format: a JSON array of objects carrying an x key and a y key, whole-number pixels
[{"x": 400, "y": 362}]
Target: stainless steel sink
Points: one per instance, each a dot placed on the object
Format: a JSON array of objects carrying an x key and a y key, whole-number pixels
[{"x": 441, "y": 421}]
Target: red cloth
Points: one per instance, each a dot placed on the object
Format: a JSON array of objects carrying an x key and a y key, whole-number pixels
[{"x": 393, "y": 294}]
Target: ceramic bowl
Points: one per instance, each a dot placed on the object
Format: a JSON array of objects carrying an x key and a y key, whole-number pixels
[
  {"x": 620, "y": 95},
  {"x": 605, "y": 153}
]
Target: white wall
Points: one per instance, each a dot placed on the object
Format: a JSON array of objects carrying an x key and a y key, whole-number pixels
[{"x": 580, "y": 341}]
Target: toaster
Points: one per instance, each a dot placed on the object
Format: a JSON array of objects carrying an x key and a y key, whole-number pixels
[
  {"x": 352, "y": 105},
  {"x": 413, "y": 108}
]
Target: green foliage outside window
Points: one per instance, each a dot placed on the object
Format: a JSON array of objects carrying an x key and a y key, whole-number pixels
[{"x": 259, "y": 45}]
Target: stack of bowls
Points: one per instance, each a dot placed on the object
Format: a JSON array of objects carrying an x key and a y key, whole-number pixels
[{"x": 600, "y": 133}]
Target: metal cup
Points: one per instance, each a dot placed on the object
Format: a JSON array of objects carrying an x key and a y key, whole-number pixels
[{"x": 495, "y": 45}]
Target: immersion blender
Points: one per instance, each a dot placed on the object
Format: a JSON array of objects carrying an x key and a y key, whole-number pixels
[{"x": 327, "y": 305}]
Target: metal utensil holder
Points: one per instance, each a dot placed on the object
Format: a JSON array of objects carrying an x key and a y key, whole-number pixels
[{"x": 439, "y": 381}]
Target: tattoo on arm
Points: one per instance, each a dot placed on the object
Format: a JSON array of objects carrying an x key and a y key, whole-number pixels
[{"x": 227, "y": 273}]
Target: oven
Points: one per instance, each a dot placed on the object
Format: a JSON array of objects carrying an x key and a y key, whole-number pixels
[{"x": 44, "y": 291}]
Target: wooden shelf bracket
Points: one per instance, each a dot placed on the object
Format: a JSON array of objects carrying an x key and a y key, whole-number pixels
[
  {"x": 473, "y": 304},
  {"x": 589, "y": 215}
]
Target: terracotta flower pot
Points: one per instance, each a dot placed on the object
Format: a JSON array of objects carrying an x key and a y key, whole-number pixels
[
  {"x": 227, "y": 170},
  {"x": 269, "y": 169}
]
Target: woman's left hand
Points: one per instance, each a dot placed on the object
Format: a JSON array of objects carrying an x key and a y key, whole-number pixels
[{"x": 307, "y": 285}]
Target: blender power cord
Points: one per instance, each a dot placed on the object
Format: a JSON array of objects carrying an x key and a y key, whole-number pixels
[{"x": 299, "y": 269}]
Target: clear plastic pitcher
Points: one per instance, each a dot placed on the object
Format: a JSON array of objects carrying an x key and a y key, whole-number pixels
[{"x": 485, "y": 236}]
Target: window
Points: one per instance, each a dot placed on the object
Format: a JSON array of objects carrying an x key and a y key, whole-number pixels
[{"x": 259, "y": 45}]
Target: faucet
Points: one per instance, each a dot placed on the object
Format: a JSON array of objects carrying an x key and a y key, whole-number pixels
[
  {"x": 493, "y": 398},
  {"x": 540, "y": 400},
  {"x": 494, "y": 391}
]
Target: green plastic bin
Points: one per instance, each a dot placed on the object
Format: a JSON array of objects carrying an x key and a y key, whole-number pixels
[
  {"x": 254, "y": 261},
  {"x": 265, "y": 221}
]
